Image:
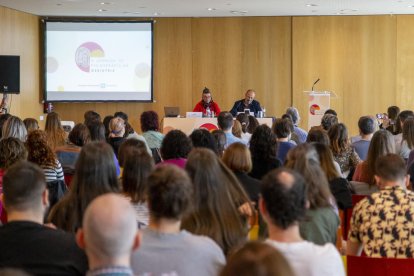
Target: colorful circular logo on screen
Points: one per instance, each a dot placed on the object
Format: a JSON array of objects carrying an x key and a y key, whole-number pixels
[
  {"x": 85, "y": 52},
  {"x": 313, "y": 108}
]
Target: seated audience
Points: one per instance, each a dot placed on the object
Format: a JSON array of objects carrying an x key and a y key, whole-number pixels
[
  {"x": 129, "y": 131},
  {"x": 24, "y": 242},
  {"x": 151, "y": 131},
  {"x": 238, "y": 159},
  {"x": 283, "y": 205},
  {"x": 237, "y": 129},
  {"x": 404, "y": 115},
  {"x": 91, "y": 118},
  {"x": 3, "y": 119},
  {"x": 339, "y": 186},
  {"x": 247, "y": 103},
  {"x": 95, "y": 174},
  {"x": 40, "y": 153},
  {"x": 382, "y": 224},
  {"x": 221, "y": 141},
  {"x": 219, "y": 203},
  {"x": 56, "y": 136},
  {"x": 109, "y": 235},
  {"x": 97, "y": 131},
  {"x": 282, "y": 129},
  {"x": 14, "y": 127},
  {"x": 225, "y": 123},
  {"x": 137, "y": 166},
  {"x": 170, "y": 196},
  {"x": 407, "y": 143},
  {"x": 257, "y": 258},
  {"x": 300, "y": 133},
  {"x": 202, "y": 138},
  {"x": 175, "y": 148},
  {"x": 263, "y": 147},
  {"x": 321, "y": 222},
  {"x": 328, "y": 120},
  {"x": 69, "y": 153},
  {"x": 116, "y": 136},
  {"x": 381, "y": 144},
  {"x": 253, "y": 124},
  {"x": 106, "y": 121},
  {"x": 366, "y": 125},
  {"x": 31, "y": 124},
  {"x": 330, "y": 111},
  {"x": 243, "y": 118},
  {"x": 207, "y": 106},
  {"x": 343, "y": 153},
  {"x": 389, "y": 123},
  {"x": 318, "y": 135},
  {"x": 130, "y": 145}
]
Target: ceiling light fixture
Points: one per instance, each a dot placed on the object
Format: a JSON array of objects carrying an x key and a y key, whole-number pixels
[
  {"x": 311, "y": 5},
  {"x": 102, "y": 10},
  {"x": 239, "y": 12},
  {"x": 105, "y": 3},
  {"x": 211, "y": 9}
]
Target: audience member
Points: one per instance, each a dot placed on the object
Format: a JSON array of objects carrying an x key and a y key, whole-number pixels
[
  {"x": 219, "y": 201},
  {"x": 97, "y": 131},
  {"x": 24, "y": 242},
  {"x": 381, "y": 144},
  {"x": 237, "y": 129},
  {"x": 367, "y": 126},
  {"x": 116, "y": 137},
  {"x": 343, "y": 153},
  {"x": 238, "y": 159},
  {"x": 283, "y": 205},
  {"x": 95, "y": 174},
  {"x": 91, "y": 118},
  {"x": 14, "y": 127},
  {"x": 243, "y": 118},
  {"x": 151, "y": 132},
  {"x": 294, "y": 113},
  {"x": 404, "y": 115},
  {"x": 175, "y": 148},
  {"x": 318, "y": 135},
  {"x": 109, "y": 235},
  {"x": 137, "y": 166},
  {"x": 221, "y": 141},
  {"x": 407, "y": 143},
  {"x": 247, "y": 103},
  {"x": 294, "y": 139},
  {"x": 339, "y": 186},
  {"x": 263, "y": 147},
  {"x": 31, "y": 124},
  {"x": 130, "y": 145},
  {"x": 382, "y": 224},
  {"x": 321, "y": 222},
  {"x": 69, "y": 153},
  {"x": 259, "y": 259},
  {"x": 253, "y": 124},
  {"x": 330, "y": 111},
  {"x": 106, "y": 121},
  {"x": 129, "y": 131},
  {"x": 56, "y": 136},
  {"x": 328, "y": 120},
  {"x": 40, "y": 153},
  {"x": 389, "y": 123},
  {"x": 170, "y": 196},
  {"x": 225, "y": 123},
  {"x": 207, "y": 106},
  {"x": 3, "y": 119},
  {"x": 282, "y": 129},
  {"x": 202, "y": 138}
]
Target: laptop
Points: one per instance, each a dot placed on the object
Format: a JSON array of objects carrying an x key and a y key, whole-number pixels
[{"x": 171, "y": 111}]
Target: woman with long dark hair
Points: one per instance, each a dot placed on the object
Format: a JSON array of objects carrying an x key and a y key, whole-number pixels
[{"x": 56, "y": 136}]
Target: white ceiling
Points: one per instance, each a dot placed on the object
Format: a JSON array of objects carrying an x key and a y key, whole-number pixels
[{"x": 208, "y": 8}]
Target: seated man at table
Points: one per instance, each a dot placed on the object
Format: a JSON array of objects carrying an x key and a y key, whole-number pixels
[
  {"x": 247, "y": 103},
  {"x": 382, "y": 224},
  {"x": 207, "y": 105}
]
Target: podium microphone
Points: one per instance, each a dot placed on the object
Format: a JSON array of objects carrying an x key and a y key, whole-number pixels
[{"x": 315, "y": 83}]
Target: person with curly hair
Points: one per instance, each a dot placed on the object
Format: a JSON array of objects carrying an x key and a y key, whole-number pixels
[
  {"x": 42, "y": 154},
  {"x": 175, "y": 148},
  {"x": 263, "y": 147},
  {"x": 56, "y": 136}
]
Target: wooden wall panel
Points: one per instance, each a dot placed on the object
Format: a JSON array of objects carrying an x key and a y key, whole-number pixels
[
  {"x": 354, "y": 56},
  {"x": 20, "y": 36}
]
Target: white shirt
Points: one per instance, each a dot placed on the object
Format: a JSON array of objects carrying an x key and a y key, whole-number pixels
[
  {"x": 309, "y": 259},
  {"x": 397, "y": 141}
]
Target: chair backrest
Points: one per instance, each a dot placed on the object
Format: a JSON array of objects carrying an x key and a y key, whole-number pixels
[
  {"x": 364, "y": 266},
  {"x": 362, "y": 188},
  {"x": 347, "y": 214}
]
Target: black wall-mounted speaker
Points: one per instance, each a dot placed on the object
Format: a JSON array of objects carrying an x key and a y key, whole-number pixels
[{"x": 10, "y": 74}]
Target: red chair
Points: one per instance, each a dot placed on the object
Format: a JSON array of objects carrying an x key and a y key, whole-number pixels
[
  {"x": 68, "y": 179},
  {"x": 348, "y": 214},
  {"x": 365, "y": 266}
]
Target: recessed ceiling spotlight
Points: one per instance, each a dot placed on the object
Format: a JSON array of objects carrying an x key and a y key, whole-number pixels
[
  {"x": 239, "y": 12},
  {"x": 102, "y": 10},
  {"x": 156, "y": 13},
  {"x": 311, "y": 5},
  {"x": 211, "y": 9},
  {"x": 348, "y": 10},
  {"x": 105, "y": 3},
  {"x": 127, "y": 12}
]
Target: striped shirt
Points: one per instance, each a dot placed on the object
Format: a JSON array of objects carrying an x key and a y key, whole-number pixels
[{"x": 53, "y": 173}]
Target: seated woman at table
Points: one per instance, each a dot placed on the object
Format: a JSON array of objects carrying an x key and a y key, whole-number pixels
[{"x": 207, "y": 105}]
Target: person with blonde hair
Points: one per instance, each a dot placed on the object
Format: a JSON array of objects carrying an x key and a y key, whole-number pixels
[
  {"x": 116, "y": 134},
  {"x": 56, "y": 136},
  {"x": 14, "y": 127}
]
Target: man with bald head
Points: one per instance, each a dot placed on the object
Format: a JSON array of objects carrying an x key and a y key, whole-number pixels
[
  {"x": 283, "y": 205},
  {"x": 109, "y": 235},
  {"x": 247, "y": 103}
]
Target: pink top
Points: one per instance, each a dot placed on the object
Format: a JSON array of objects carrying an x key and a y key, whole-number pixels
[{"x": 179, "y": 162}]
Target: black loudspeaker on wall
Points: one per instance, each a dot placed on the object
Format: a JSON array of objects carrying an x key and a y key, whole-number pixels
[{"x": 10, "y": 74}]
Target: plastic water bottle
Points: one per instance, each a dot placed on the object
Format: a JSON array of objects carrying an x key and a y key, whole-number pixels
[
  {"x": 264, "y": 112},
  {"x": 208, "y": 112}
]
